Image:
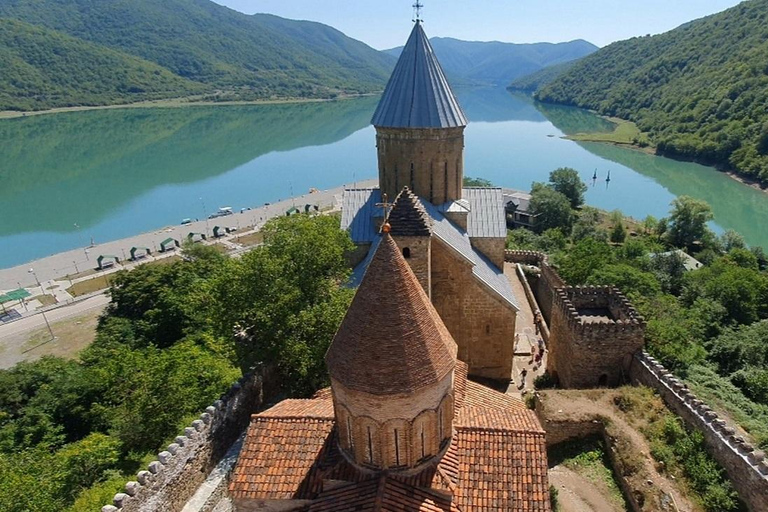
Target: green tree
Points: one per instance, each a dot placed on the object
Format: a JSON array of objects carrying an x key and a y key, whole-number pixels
[
  {"x": 688, "y": 221},
  {"x": 552, "y": 210},
  {"x": 477, "y": 182},
  {"x": 618, "y": 233},
  {"x": 567, "y": 181},
  {"x": 586, "y": 257},
  {"x": 630, "y": 280}
]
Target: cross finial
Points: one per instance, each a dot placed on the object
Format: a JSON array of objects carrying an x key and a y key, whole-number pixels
[
  {"x": 386, "y": 207},
  {"x": 417, "y": 7}
]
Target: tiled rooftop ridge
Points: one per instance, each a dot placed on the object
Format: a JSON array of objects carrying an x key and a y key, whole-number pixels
[{"x": 408, "y": 217}]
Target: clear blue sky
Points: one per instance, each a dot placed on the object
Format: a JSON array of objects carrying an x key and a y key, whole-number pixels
[{"x": 386, "y": 23}]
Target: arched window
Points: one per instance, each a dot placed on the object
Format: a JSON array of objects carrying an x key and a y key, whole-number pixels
[{"x": 406, "y": 252}]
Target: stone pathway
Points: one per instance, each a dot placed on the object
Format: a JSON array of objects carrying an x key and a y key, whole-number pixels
[{"x": 526, "y": 339}]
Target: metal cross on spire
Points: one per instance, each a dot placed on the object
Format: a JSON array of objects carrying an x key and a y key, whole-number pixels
[
  {"x": 417, "y": 7},
  {"x": 386, "y": 207}
]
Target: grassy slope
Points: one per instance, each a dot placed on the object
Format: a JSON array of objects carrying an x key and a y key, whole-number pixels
[
  {"x": 43, "y": 68},
  {"x": 257, "y": 56},
  {"x": 699, "y": 90}
]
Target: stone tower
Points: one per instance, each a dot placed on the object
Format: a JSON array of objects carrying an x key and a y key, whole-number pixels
[
  {"x": 411, "y": 231},
  {"x": 420, "y": 127},
  {"x": 392, "y": 369}
]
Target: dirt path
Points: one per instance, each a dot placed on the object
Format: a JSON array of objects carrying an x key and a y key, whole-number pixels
[
  {"x": 597, "y": 405},
  {"x": 578, "y": 494}
]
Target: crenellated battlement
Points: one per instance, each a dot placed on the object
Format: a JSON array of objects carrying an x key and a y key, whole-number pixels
[
  {"x": 580, "y": 307},
  {"x": 595, "y": 331},
  {"x": 746, "y": 466},
  {"x": 170, "y": 480}
]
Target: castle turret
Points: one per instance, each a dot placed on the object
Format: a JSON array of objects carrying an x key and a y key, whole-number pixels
[
  {"x": 392, "y": 365},
  {"x": 420, "y": 127}
]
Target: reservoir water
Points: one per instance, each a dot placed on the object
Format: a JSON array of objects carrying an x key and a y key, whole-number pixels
[{"x": 107, "y": 174}]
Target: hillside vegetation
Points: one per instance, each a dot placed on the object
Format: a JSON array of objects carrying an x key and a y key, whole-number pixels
[
  {"x": 44, "y": 68},
  {"x": 194, "y": 45},
  {"x": 700, "y": 91},
  {"x": 496, "y": 63},
  {"x": 539, "y": 79}
]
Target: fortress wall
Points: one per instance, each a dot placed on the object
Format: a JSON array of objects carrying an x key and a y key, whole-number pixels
[
  {"x": 747, "y": 468},
  {"x": 171, "y": 480},
  {"x": 545, "y": 286}
]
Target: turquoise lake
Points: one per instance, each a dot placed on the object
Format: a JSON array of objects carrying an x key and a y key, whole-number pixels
[{"x": 109, "y": 174}]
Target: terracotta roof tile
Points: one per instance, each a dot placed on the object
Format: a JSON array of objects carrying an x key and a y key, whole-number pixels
[
  {"x": 382, "y": 494},
  {"x": 277, "y": 457},
  {"x": 408, "y": 216},
  {"x": 391, "y": 340},
  {"x": 317, "y": 408},
  {"x": 501, "y": 471},
  {"x": 486, "y": 408}
]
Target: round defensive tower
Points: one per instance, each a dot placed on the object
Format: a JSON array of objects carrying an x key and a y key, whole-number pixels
[
  {"x": 420, "y": 127},
  {"x": 392, "y": 367}
]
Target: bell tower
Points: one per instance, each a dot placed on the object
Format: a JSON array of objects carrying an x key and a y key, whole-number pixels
[{"x": 420, "y": 127}]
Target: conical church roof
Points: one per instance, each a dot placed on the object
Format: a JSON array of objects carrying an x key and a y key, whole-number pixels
[
  {"x": 418, "y": 94},
  {"x": 391, "y": 341}
]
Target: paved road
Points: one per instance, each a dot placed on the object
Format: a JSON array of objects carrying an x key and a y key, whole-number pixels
[
  {"x": 31, "y": 323},
  {"x": 78, "y": 260}
]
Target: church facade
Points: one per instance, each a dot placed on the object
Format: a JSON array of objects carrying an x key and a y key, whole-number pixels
[{"x": 457, "y": 249}]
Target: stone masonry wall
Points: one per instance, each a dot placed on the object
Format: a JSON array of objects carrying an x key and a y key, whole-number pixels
[
  {"x": 492, "y": 248},
  {"x": 482, "y": 325},
  {"x": 429, "y": 161},
  {"x": 419, "y": 258},
  {"x": 747, "y": 468},
  {"x": 171, "y": 480},
  {"x": 584, "y": 354},
  {"x": 545, "y": 286}
]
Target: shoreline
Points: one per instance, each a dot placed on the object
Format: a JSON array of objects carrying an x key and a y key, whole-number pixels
[
  {"x": 71, "y": 262},
  {"x": 176, "y": 103}
]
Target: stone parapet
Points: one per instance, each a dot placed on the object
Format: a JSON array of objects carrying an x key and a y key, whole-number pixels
[
  {"x": 747, "y": 467},
  {"x": 171, "y": 480},
  {"x": 570, "y": 299}
]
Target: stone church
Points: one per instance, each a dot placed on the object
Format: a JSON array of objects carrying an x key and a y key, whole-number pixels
[
  {"x": 452, "y": 237},
  {"x": 401, "y": 428}
]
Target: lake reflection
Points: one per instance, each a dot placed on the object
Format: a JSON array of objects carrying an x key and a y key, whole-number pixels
[{"x": 109, "y": 174}]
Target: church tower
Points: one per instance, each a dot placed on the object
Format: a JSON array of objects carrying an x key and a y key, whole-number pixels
[
  {"x": 392, "y": 371},
  {"x": 420, "y": 127}
]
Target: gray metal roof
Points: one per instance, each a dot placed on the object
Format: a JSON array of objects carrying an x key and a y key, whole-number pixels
[
  {"x": 361, "y": 225},
  {"x": 521, "y": 200},
  {"x": 418, "y": 94},
  {"x": 358, "y": 213},
  {"x": 486, "y": 215}
]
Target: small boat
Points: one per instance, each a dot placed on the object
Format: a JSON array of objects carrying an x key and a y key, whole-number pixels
[{"x": 186, "y": 221}]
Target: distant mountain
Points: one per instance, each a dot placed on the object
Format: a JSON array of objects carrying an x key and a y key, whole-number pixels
[
  {"x": 206, "y": 46},
  {"x": 495, "y": 63},
  {"x": 542, "y": 77},
  {"x": 699, "y": 91}
]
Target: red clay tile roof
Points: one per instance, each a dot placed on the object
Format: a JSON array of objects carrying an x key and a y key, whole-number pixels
[
  {"x": 382, "y": 494},
  {"x": 277, "y": 456},
  {"x": 391, "y": 340},
  {"x": 408, "y": 217},
  {"x": 501, "y": 471},
  {"x": 486, "y": 408},
  {"x": 317, "y": 408}
]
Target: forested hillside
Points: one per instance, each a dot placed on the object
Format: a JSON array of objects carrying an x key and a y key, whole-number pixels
[
  {"x": 207, "y": 47},
  {"x": 700, "y": 91},
  {"x": 44, "y": 68},
  {"x": 472, "y": 62},
  {"x": 539, "y": 79}
]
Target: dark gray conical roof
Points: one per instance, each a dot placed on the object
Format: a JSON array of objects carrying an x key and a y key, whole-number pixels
[{"x": 418, "y": 94}]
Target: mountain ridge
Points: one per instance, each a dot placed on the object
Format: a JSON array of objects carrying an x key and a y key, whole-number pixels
[
  {"x": 499, "y": 63},
  {"x": 230, "y": 54},
  {"x": 698, "y": 91}
]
